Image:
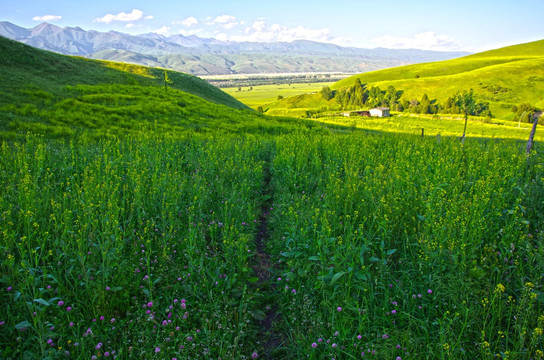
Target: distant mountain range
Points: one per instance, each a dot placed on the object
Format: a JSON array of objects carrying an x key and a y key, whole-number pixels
[{"x": 203, "y": 56}]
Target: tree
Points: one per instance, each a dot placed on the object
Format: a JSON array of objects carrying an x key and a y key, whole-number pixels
[
  {"x": 327, "y": 93},
  {"x": 260, "y": 109},
  {"x": 524, "y": 113},
  {"x": 357, "y": 98},
  {"x": 405, "y": 104},
  {"x": 425, "y": 105},
  {"x": 391, "y": 97},
  {"x": 375, "y": 96},
  {"x": 450, "y": 106},
  {"x": 413, "y": 106},
  {"x": 467, "y": 105}
]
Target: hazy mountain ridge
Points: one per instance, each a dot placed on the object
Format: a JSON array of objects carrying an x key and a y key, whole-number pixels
[{"x": 203, "y": 56}]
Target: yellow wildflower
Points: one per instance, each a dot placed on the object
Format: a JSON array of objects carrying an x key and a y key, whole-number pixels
[{"x": 499, "y": 289}]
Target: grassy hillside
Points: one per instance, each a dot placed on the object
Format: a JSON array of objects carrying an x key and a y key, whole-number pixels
[
  {"x": 503, "y": 77},
  {"x": 39, "y": 68},
  {"x": 61, "y": 96}
]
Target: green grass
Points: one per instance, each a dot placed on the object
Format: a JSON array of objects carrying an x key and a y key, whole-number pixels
[
  {"x": 51, "y": 72},
  {"x": 396, "y": 246},
  {"x": 131, "y": 247},
  {"x": 503, "y": 77},
  {"x": 434, "y": 125},
  {"x": 265, "y": 94},
  {"x": 387, "y": 244},
  {"x": 129, "y": 222},
  {"x": 63, "y": 96}
]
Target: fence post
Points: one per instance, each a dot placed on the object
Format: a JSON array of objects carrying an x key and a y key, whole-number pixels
[{"x": 530, "y": 142}]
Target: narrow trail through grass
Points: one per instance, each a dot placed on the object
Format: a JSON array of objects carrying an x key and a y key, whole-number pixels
[{"x": 269, "y": 339}]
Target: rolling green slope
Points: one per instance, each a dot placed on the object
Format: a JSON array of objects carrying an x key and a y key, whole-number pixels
[
  {"x": 61, "y": 96},
  {"x": 503, "y": 77},
  {"x": 39, "y": 67}
]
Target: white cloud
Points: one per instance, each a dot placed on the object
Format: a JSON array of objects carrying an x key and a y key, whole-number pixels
[
  {"x": 424, "y": 41},
  {"x": 224, "y": 19},
  {"x": 257, "y": 26},
  {"x": 260, "y": 31},
  {"x": 47, "y": 18},
  {"x": 129, "y": 25},
  {"x": 135, "y": 15},
  {"x": 229, "y": 25},
  {"x": 190, "y": 21},
  {"x": 148, "y": 17},
  {"x": 162, "y": 31}
]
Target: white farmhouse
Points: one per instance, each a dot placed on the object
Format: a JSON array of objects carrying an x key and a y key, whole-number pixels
[{"x": 379, "y": 112}]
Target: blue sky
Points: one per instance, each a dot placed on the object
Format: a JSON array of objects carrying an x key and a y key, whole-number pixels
[{"x": 472, "y": 25}]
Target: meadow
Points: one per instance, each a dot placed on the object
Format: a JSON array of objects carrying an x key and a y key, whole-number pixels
[
  {"x": 434, "y": 125},
  {"x": 262, "y": 95},
  {"x": 153, "y": 217},
  {"x": 380, "y": 246}
]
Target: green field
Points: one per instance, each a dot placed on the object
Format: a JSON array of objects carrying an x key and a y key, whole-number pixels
[
  {"x": 265, "y": 94},
  {"x": 503, "y": 78},
  {"x": 138, "y": 222},
  {"x": 434, "y": 125}
]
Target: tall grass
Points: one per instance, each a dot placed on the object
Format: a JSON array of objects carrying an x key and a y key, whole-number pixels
[
  {"x": 405, "y": 247},
  {"x": 128, "y": 248},
  {"x": 383, "y": 245}
]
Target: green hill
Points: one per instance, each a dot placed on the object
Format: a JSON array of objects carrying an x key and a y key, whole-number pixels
[
  {"x": 61, "y": 95},
  {"x": 503, "y": 77}
]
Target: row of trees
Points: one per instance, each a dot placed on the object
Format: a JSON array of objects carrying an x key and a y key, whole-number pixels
[{"x": 359, "y": 96}]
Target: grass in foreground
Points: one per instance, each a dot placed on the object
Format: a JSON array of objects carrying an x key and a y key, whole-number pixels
[
  {"x": 384, "y": 246},
  {"x": 435, "y": 125}
]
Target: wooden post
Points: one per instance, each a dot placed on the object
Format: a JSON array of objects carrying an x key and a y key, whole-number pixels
[
  {"x": 530, "y": 142},
  {"x": 422, "y": 132}
]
